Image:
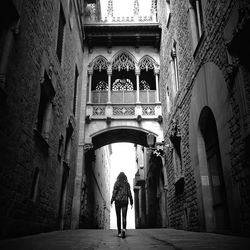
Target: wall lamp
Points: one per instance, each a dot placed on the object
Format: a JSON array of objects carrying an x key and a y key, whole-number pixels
[{"x": 158, "y": 148}]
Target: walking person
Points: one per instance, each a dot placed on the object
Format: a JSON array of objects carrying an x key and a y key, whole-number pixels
[{"x": 121, "y": 195}]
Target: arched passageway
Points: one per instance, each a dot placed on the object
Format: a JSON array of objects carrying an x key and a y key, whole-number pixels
[
  {"x": 96, "y": 192},
  {"x": 120, "y": 134},
  {"x": 215, "y": 196}
]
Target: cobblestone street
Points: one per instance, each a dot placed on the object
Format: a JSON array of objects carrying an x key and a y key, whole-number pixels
[{"x": 136, "y": 239}]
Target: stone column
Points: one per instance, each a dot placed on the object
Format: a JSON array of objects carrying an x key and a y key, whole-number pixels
[
  {"x": 156, "y": 72},
  {"x": 137, "y": 73},
  {"x": 109, "y": 72},
  {"x": 90, "y": 73}
]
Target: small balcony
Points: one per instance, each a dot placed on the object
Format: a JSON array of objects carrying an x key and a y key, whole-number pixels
[{"x": 123, "y": 105}]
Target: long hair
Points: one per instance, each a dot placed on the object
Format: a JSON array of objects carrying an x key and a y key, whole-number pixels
[{"x": 122, "y": 178}]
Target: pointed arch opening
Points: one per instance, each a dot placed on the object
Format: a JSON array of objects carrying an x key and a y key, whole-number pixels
[
  {"x": 123, "y": 80},
  {"x": 99, "y": 86},
  {"x": 147, "y": 67},
  {"x": 217, "y": 204}
]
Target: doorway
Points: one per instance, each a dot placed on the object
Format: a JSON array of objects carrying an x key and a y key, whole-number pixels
[{"x": 216, "y": 182}]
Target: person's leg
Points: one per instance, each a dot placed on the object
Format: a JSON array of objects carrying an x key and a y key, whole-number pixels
[
  {"x": 124, "y": 216},
  {"x": 118, "y": 217}
]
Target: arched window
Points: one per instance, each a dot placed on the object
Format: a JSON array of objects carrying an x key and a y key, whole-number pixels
[
  {"x": 147, "y": 79},
  {"x": 174, "y": 68},
  {"x": 196, "y": 21},
  {"x": 100, "y": 78}
]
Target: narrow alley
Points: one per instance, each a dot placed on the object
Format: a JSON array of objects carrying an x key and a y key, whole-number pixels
[{"x": 167, "y": 80}]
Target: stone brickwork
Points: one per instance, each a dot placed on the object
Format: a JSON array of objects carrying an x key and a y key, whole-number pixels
[
  {"x": 219, "y": 20},
  {"x": 95, "y": 198},
  {"x": 22, "y": 149}
]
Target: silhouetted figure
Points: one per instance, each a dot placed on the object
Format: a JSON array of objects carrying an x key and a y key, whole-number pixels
[{"x": 121, "y": 194}]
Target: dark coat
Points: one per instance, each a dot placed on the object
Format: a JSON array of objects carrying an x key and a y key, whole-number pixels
[{"x": 121, "y": 193}]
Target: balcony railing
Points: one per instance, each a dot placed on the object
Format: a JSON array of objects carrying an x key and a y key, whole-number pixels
[
  {"x": 123, "y": 105},
  {"x": 123, "y": 97}
]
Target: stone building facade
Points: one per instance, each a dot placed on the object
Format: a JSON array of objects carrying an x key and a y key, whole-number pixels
[
  {"x": 204, "y": 86},
  {"x": 150, "y": 187},
  {"x": 41, "y": 58},
  {"x": 95, "y": 198}
]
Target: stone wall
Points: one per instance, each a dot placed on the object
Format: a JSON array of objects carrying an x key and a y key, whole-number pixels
[
  {"x": 22, "y": 149},
  {"x": 95, "y": 202},
  {"x": 220, "y": 20}
]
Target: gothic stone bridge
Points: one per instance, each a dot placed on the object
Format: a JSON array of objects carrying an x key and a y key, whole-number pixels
[{"x": 123, "y": 100}]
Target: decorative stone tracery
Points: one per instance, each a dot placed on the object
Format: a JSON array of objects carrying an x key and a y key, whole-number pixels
[
  {"x": 144, "y": 85},
  {"x": 122, "y": 85},
  {"x": 123, "y": 62},
  {"x": 100, "y": 64},
  {"x": 116, "y": 78},
  {"x": 102, "y": 86},
  {"x": 146, "y": 63}
]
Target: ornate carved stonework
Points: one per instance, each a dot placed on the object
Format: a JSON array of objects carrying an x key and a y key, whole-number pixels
[
  {"x": 97, "y": 110},
  {"x": 144, "y": 85},
  {"x": 148, "y": 110},
  {"x": 136, "y": 8},
  {"x": 123, "y": 62},
  {"x": 174, "y": 129},
  {"x": 124, "y": 110},
  {"x": 146, "y": 63},
  {"x": 102, "y": 85},
  {"x": 100, "y": 64},
  {"x": 122, "y": 85},
  {"x": 110, "y": 8},
  {"x": 87, "y": 147}
]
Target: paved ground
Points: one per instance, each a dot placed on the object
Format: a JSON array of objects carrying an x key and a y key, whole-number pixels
[{"x": 167, "y": 239}]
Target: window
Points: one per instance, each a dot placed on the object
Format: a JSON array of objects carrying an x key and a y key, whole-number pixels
[
  {"x": 174, "y": 69},
  {"x": 168, "y": 100},
  {"x": 8, "y": 27},
  {"x": 196, "y": 21},
  {"x": 168, "y": 14},
  {"x": 177, "y": 162},
  {"x": 47, "y": 93},
  {"x": 60, "y": 36},
  {"x": 75, "y": 91}
]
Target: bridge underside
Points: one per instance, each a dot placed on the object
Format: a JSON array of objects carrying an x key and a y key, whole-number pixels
[{"x": 120, "y": 135}]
